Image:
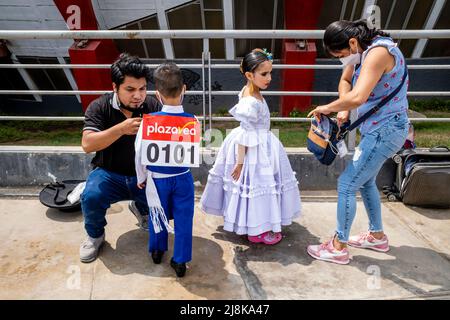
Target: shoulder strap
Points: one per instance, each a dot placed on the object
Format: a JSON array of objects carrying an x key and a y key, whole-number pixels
[{"x": 379, "y": 105}]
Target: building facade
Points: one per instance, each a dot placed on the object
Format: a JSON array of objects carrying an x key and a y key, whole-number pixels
[{"x": 199, "y": 15}]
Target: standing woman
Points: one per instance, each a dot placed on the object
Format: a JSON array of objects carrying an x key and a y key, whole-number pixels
[{"x": 373, "y": 68}]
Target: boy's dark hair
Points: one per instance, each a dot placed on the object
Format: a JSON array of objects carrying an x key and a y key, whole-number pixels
[
  {"x": 168, "y": 79},
  {"x": 130, "y": 66}
]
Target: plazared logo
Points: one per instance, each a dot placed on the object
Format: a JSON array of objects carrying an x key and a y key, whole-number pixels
[{"x": 171, "y": 128}]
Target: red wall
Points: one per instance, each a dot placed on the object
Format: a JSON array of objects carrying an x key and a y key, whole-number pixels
[
  {"x": 93, "y": 52},
  {"x": 299, "y": 15}
]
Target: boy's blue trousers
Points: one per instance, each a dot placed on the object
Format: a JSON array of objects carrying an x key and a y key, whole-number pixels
[{"x": 177, "y": 198}]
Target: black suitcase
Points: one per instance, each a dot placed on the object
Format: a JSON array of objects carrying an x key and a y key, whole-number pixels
[{"x": 422, "y": 178}]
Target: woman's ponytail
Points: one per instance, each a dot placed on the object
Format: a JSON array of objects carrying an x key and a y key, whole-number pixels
[
  {"x": 366, "y": 34},
  {"x": 338, "y": 33}
]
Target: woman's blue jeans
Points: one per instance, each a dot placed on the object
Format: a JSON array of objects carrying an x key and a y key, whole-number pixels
[
  {"x": 103, "y": 188},
  {"x": 361, "y": 173}
]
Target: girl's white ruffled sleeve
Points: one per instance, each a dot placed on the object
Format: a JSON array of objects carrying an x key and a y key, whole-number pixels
[{"x": 246, "y": 112}]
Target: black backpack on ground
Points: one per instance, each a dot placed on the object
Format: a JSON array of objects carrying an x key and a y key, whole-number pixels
[
  {"x": 54, "y": 195},
  {"x": 422, "y": 178}
]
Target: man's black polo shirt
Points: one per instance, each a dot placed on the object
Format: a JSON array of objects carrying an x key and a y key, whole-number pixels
[{"x": 101, "y": 115}]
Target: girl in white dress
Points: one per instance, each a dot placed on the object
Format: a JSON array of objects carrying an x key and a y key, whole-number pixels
[{"x": 252, "y": 184}]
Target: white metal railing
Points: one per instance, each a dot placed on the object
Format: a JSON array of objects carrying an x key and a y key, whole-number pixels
[
  {"x": 216, "y": 93},
  {"x": 203, "y": 34},
  {"x": 206, "y": 64},
  {"x": 218, "y": 119},
  {"x": 199, "y": 66}
]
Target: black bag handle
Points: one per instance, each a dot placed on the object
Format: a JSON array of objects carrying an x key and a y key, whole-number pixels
[
  {"x": 57, "y": 186},
  {"x": 365, "y": 116}
]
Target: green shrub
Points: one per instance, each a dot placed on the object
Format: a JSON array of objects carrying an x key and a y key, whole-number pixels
[{"x": 434, "y": 104}]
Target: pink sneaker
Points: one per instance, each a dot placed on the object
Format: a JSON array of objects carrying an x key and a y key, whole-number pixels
[
  {"x": 327, "y": 252},
  {"x": 366, "y": 241},
  {"x": 268, "y": 237}
]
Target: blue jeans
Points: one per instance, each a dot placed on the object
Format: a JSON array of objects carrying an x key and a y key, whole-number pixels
[
  {"x": 374, "y": 149},
  {"x": 103, "y": 188},
  {"x": 177, "y": 198}
]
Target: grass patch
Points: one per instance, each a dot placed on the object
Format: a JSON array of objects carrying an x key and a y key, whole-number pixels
[
  {"x": 290, "y": 135},
  {"x": 44, "y": 133},
  {"x": 434, "y": 104},
  {"x": 432, "y": 134},
  {"x": 60, "y": 133}
]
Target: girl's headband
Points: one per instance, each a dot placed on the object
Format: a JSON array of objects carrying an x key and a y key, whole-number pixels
[{"x": 266, "y": 53}]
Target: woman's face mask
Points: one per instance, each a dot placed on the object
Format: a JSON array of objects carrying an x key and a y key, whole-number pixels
[{"x": 352, "y": 59}]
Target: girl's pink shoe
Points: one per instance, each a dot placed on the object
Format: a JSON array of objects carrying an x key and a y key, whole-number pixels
[{"x": 268, "y": 237}]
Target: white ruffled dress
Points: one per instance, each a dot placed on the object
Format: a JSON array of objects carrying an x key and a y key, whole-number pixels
[{"x": 266, "y": 195}]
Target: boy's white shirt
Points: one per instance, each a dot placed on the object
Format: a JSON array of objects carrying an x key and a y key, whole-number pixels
[{"x": 141, "y": 170}]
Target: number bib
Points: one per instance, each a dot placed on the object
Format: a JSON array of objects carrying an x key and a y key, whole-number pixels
[{"x": 170, "y": 141}]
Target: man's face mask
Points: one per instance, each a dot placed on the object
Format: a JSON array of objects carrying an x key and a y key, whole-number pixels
[{"x": 131, "y": 109}]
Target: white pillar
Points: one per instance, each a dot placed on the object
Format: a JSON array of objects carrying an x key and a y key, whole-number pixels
[
  {"x": 433, "y": 16},
  {"x": 343, "y": 8},
  {"x": 164, "y": 25},
  {"x": 70, "y": 77},
  {"x": 26, "y": 77},
  {"x": 228, "y": 25}
]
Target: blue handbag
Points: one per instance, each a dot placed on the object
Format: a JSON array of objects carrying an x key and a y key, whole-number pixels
[{"x": 324, "y": 136}]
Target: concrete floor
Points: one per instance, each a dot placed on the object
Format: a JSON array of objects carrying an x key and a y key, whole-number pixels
[{"x": 39, "y": 258}]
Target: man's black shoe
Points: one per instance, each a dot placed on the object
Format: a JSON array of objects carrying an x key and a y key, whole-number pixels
[
  {"x": 180, "y": 268},
  {"x": 157, "y": 256}
]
